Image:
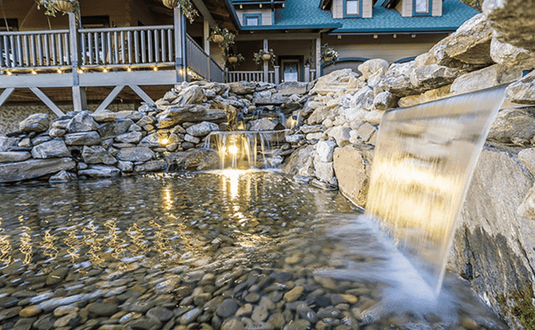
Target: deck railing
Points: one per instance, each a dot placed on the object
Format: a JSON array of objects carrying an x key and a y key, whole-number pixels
[
  {"x": 132, "y": 46},
  {"x": 35, "y": 49},
  {"x": 201, "y": 63},
  {"x": 234, "y": 76}
]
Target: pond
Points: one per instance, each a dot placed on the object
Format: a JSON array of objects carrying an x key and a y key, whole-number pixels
[{"x": 208, "y": 250}]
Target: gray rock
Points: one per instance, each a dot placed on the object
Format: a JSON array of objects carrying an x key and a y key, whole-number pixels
[
  {"x": 102, "y": 309},
  {"x": 14, "y": 156},
  {"x": 57, "y": 132},
  {"x": 352, "y": 167},
  {"x": 400, "y": 68},
  {"x": 292, "y": 87},
  {"x": 522, "y": 91},
  {"x": 191, "y": 139},
  {"x": 190, "y": 95},
  {"x": 294, "y": 138},
  {"x": 125, "y": 166},
  {"x": 513, "y": 21},
  {"x": 385, "y": 100},
  {"x": 63, "y": 176},
  {"x": 363, "y": 98},
  {"x": 469, "y": 44},
  {"x": 144, "y": 324},
  {"x": 320, "y": 114},
  {"x": 132, "y": 137},
  {"x": 51, "y": 149},
  {"x": 301, "y": 162},
  {"x": 232, "y": 324},
  {"x": 97, "y": 155},
  {"x": 190, "y": 316},
  {"x": 202, "y": 129},
  {"x": 136, "y": 154},
  {"x": 158, "y": 165},
  {"x": 178, "y": 115},
  {"x": 6, "y": 143},
  {"x": 160, "y": 313},
  {"x": 373, "y": 67},
  {"x": 40, "y": 139},
  {"x": 263, "y": 124},
  {"x": 37, "y": 122},
  {"x": 509, "y": 55},
  {"x": 104, "y": 116},
  {"x": 129, "y": 114},
  {"x": 82, "y": 122},
  {"x": 340, "y": 135},
  {"x": 433, "y": 76},
  {"x": 365, "y": 131},
  {"x": 193, "y": 160},
  {"x": 527, "y": 158},
  {"x": 274, "y": 99},
  {"x": 515, "y": 126},
  {"x": 112, "y": 129},
  {"x": 325, "y": 150},
  {"x": 160, "y": 139},
  {"x": 100, "y": 171},
  {"x": 227, "y": 308},
  {"x": 242, "y": 87},
  {"x": 485, "y": 78},
  {"x": 399, "y": 85},
  {"x": 82, "y": 138},
  {"x": 324, "y": 171}
]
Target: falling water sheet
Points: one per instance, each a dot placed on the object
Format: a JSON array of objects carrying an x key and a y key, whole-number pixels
[{"x": 424, "y": 160}]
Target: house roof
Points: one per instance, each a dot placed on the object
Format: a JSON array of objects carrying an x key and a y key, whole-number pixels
[{"x": 306, "y": 14}]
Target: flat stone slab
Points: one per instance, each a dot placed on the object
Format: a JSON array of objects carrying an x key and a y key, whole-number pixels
[
  {"x": 14, "y": 156},
  {"x": 34, "y": 168}
]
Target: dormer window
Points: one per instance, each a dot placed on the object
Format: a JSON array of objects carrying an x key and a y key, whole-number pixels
[
  {"x": 422, "y": 7},
  {"x": 252, "y": 19},
  {"x": 353, "y": 8}
]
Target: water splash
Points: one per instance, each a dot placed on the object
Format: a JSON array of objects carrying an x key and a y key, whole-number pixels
[{"x": 423, "y": 164}]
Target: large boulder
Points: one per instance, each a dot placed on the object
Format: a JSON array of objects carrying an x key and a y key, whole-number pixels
[
  {"x": 193, "y": 160},
  {"x": 325, "y": 150},
  {"x": 494, "y": 247},
  {"x": 135, "y": 154},
  {"x": 485, "y": 78},
  {"x": 6, "y": 143},
  {"x": 52, "y": 149},
  {"x": 117, "y": 127},
  {"x": 433, "y": 76},
  {"x": 363, "y": 98},
  {"x": 292, "y": 87},
  {"x": 514, "y": 126},
  {"x": 190, "y": 95},
  {"x": 97, "y": 155},
  {"x": 338, "y": 81},
  {"x": 301, "y": 162},
  {"x": 100, "y": 171},
  {"x": 469, "y": 44},
  {"x": 430, "y": 95},
  {"x": 34, "y": 168},
  {"x": 38, "y": 122},
  {"x": 192, "y": 113},
  {"x": 352, "y": 167},
  {"x": 242, "y": 87},
  {"x": 159, "y": 139},
  {"x": 512, "y": 56},
  {"x": 130, "y": 137},
  {"x": 399, "y": 85},
  {"x": 340, "y": 134},
  {"x": 263, "y": 124},
  {"x": 157, "y": 165},
  {"x": 513, "y": 21},
  {"x": 82, "y": 138},
  {"x": 373, "y": 67},
  {"x": 82, "y": 122}
]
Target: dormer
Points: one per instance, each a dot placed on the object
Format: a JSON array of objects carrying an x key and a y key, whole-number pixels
[
  {"x": 256, "y": 12},
  {"x": 348, "y": 8},
  {"x": 410, "y": 8}
]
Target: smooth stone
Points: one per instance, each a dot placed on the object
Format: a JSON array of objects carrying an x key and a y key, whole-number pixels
[
  {"x": 30, "y": 311},
  {"x": 14, "y": 156},
  {"x": 232, "y": 324},
  {"x": 56, "y": 276},
  {"x": 24, "y": 324},
  {"x": 259, "y": 314},
  {"x": 294, "y": 294},
  {"x": 227, "y": 308},
  {"x": 65, "y": 320},
  {"x": 160, "y": 313},
  {"x": 190, "y": 316},
  {"x": 6, "y": 314},
  {"x": 297, "y": 325}
]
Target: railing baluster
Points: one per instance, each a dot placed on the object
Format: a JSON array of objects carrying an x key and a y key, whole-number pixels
[
  {"x": 149, "y": 44},
  {"x": 97, "y": 48},
  {"x": 162, "y": 41},
  {"x": 115, "y": 48},
  {"x": 2, "y": 62},
  {"x": 109, "y": 54},
  {"x": 123, "y": 48},
  {"x": 90, "y": 47},
  {"x": 60, "y": 49},
  {"x": 46, "y": 50},
  {"x": 52, "y": 38},
  {"x": 83, "y": 48},
  {"x": 130, "y": 47},
  {"x": 19, "y": 51},
  {"x": 156, "y": 47},
  {"x": 170, "y": 45},
  {"x": 40, "y": 50},
  {"x": 143, "y": 47},
  {"x": 136, "y": 46},
  {"x": 25, "y": 51}
]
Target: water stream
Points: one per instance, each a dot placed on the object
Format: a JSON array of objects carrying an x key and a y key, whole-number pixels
[{"x": 423, "y": 163}]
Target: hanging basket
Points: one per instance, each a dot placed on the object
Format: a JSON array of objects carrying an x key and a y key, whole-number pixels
[
  {"x": 170, "y": 3},
  {"x": 266, "y": 57},
  {"x": 63, "y": 5},
  {"x": 327, "y": 59},
  {"x": 233, "y": 59},
  {"x": 217, "y": 38}
]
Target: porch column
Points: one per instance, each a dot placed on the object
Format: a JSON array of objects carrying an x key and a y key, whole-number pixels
[
  {"x": 266, "y": 67},
  {"x": 307, "y": 73},
  {"x": 318, "y": 57},
  {"x": 180, "y": 47},
  {"x": 205, "y": 35},
  {"x": 79, "y": 98},
  {"x": 277, "y": 78}
]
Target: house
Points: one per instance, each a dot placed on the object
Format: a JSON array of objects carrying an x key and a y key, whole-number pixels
[{"x": 115, "y": 50}]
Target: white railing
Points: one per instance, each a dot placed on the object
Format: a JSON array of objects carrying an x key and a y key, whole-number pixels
[
  {"x": 313, "y": 75},
  {"x": 199, "y": 62},
  {"x": 35, "y": 50},
  {"x": 132, "y": 46},
  {"x": 256, "y": 76}
]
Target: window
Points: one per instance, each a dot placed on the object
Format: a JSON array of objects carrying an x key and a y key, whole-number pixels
[
  {"x": 95, "y": 22},
  {"x": 11, "y": 24},
  {"x": 422, "y": 7},
  {"x": 251, "y": 19},
  {"x": 352, "y": 7}
]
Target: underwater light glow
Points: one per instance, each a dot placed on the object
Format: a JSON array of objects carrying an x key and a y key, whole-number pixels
[{"x": 233, "y": 149}]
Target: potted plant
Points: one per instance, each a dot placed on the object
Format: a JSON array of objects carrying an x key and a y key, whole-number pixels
[
  {"x": 223, "y": 37},
  {"x": 53, "y": 6},
  {"x": 233, "y": 59},
  {"x": 63, "y": 5},
  {"x": 262, "y": 55},
  {"x": 187, "y": 8},
  {"x": 328, "y": 53}
]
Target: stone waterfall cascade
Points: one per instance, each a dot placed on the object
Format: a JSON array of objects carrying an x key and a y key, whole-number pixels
[
  {"x": 423, "y": 164},
  {"x": 247, "y": 149}
]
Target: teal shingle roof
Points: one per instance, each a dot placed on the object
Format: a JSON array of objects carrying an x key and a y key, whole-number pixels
[{"x": 306, "y": 14}]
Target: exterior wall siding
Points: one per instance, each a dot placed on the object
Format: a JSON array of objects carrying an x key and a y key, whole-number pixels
[
  {"x": 338, "y": 8},
  {"x": 437, "y": 8},
  {"x": 267, "y": 15},
  {"x": 367, "y": 9}
]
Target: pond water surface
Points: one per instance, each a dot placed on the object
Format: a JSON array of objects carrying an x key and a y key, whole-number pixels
[{"x": 209, "y": 250}]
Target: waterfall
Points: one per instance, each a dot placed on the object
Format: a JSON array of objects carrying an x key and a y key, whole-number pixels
[
  {"x": 247, "y": 149},
  {"x": 424, "y": 160}
]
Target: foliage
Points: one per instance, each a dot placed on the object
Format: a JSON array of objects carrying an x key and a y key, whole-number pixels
[
  {"x": 51, "y": 10},
  {"x": 327, "y": 51},
  {"x": 188, "y": 10},
  {"x": 257, "y": 57},
  {"x": 238, "y": 56},
  {"x": 228, "y": 38},
  {"x": 476, "y": 4}
]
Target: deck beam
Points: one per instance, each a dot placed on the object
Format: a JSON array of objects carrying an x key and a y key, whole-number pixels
[
  {"x": 46, "y": 100},
  {"x": 141, "y": 93},
  {"x": 109, "y": 99},
  {"x": 5, "y": 95}
]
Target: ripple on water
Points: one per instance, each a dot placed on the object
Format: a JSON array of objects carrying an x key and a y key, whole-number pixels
[{"x": 229, "y": 249}]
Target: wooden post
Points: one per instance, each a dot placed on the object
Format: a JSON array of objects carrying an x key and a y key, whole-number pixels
[
  {"x": 307, "y": 73},
  {"x": 318, "y": 57},
  {"x": 205, "y": 35},
  {"x": 266, "y": 68},
  {"x": 79, "y": 98},
  {"x": 180, "y": 39},
  {"x": 277, "y": 78}
]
